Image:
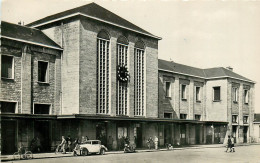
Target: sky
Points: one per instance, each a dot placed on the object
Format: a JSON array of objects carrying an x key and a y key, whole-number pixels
[{"x": 202, "y": 34}]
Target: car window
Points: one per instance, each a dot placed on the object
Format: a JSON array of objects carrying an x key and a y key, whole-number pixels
[
  {"x": 95, "y": 142},
  {"x": 88, "y": 142}
]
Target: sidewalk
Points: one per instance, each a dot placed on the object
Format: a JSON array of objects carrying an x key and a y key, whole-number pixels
[{"x": 69, "y": 154}]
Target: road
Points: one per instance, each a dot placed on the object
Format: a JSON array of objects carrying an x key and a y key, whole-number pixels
[{"x": 245, "y": 154}]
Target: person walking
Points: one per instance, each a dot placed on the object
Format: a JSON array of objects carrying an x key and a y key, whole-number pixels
[
  {"x": 229, "y": 144},
  {"x": 156, "y": 140},
  {"x": 149, "y": 142},
  {"x": 63, "y": 144},
  {"x": 233, "y": 144},
  {"x": 69, "y": 143}
]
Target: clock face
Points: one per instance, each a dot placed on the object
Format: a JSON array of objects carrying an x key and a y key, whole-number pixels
[{"x": 122, "y": 73}]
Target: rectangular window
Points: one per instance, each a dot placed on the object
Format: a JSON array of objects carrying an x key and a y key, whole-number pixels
[
  {"x": 216, "y": 94},
  {"x": 235, "y": 94},
  {"x": 139, "y": 82},
  {"x": 246, "y": 95},
  {"x": 197, "y": 117},
  {"x": 41, "y": 109},
  {"x": 183, "y": 91},
  {"x": 183, "y": 116},
  {"x": 122, "y": 87},
  {"x": 103, "y": 76},
  {"x": 43, "y": 72},
  {"x": 234, "y": 119},
  {"x": 8, "y": 107},
  {"x": 167, "y": 115},
  {"x": 7, "y": 67},
  {"x": 245, "y": 119},
  {"x": 168, "y": 89},
  {"x": 122, "y": 132},
  {"x": 198, "y": 98}
]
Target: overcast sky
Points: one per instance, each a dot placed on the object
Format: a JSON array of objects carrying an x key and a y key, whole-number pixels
[{"x": 201, "y": 34}]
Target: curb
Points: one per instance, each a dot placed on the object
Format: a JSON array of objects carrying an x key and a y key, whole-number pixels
[{"x": 7, "y": 158}]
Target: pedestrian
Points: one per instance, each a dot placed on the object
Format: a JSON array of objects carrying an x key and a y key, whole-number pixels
[
  {"x": 82, "y": 141},
  {"x": 233, "y": 144},
  {"x": 156, "y": 142},
  {"x": 86, "y": 138},
  {"x": 63, "y": 144},
  {"x": 69, "y": 143},
  {"x": 149, "y": 142},
  {"x": 229, "y": 144}
]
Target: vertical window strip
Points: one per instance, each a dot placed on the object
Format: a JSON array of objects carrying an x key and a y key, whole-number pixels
[
  {"x": 103, "y": 76},
  {"x": 139, "y": 82},
  {"x": 122, "y": 87}
]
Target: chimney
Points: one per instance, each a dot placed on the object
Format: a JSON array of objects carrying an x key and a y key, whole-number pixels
[
  {"x": 20, "y": 23},
  {"x": 230, "y": 68}
]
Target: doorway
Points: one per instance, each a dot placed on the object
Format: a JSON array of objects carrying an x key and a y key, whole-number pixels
[
  {"x": 197, "y": 134},
  {"x": 101, "y": 133},
  {"x": 183, "y": 134},
  {"x": 8, "y": 134},
  {"x": 138, "y": 138},
  {"x": 245, "y": 130},
  {"x": 42, "y": 131}
]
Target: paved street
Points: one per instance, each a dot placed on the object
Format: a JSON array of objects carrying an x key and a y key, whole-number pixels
[{"x": 208, "y": 155}]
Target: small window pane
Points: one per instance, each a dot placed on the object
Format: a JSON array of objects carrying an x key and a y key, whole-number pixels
[
  {"x": 216, "y": 93},
  {"x": 7, "y": 66}
]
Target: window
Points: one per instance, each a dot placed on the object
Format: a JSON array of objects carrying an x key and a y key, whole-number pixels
[
  {"x": 121, "y": 132},
  {"x": 246, "y": 95},
  {"x": 183, "y": 116},
  {"x": 7, "y": 67},
  {"x": 43, "y": 72},
  {"x": 235, "y": 94},
  {"x": 216, "y": 94},
  {"x": 103, "y": 76},
  {"x": 122, "y": 87},
  {"x": 198, "y": 94},
  {"x": 139, "y": 73},
  {"x": 41, "y": 109},
  {"x": 8, "y": 107},
  {"x": 168, "y": 89},
  {"x": 183, "y": 91},
  {"x": 167, "y": 115},
  {"x": 245, "y": 119},
  {"x": 197, "y": 117},
  {"x": 234, "y": 119}
]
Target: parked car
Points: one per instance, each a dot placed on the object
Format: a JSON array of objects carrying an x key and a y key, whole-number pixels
[{"x": 91, "y": 146}]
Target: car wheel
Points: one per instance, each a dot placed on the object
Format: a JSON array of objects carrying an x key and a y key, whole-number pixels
[
  {"x": 102, "y": 151},
  {"x": 84, "y": 152}
]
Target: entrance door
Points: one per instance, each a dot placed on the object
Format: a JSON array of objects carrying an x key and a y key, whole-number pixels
[
  {"x": 8, "y": 133},
  {"x": 101, "y": 133},
  {"x": 42, "y": 131},
  {"x": 183, "y": 134},
  {"x": 197, "y": 134},
  {"x": 234, "y": 133},
  {"x": 167, "y": 134},
  {"x": 139, "y": 136},
  {"x": 245, "y": 133}
]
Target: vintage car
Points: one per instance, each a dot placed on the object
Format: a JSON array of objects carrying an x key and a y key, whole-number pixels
[{"x": 91, "y": 146}]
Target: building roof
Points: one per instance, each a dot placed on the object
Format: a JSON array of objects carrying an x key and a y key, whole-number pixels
[
  {"x": 210, "y": 73},
  {"x": 26, "y": 34},
  {"x": 257, "y": 117},
  {"x": 93, "y": 11}
]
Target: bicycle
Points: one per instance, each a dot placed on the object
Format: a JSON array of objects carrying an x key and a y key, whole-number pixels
[{"x": 22, "y": 153}]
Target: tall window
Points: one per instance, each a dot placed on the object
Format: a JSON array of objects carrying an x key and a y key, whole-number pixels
[
  {"x": 216, "y": 93},
  {"x": 235, "y": 94},
  {"x": 168, "y": 89},
  {"x": 43, "y": 72},
  {"x": 245, "y": 119},
  {"x": 122, "y": 86},
  {"x": 7, "y": 67},
  {"x": 246, "y": 96},
  {"x": 139, "y": 79},
  {"x": 103, "y": 73},
  {"x": 198, "y": 94},
  {"x": 183, "y": 92}
]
